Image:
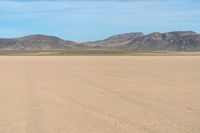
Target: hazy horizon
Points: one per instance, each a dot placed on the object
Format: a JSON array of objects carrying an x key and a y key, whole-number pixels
[{"x": 87, "y": 20}]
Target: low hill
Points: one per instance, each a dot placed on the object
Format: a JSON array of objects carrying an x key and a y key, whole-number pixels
[
  {"x": 36, "y": 42},
  {"x": 116, "y": 40}
]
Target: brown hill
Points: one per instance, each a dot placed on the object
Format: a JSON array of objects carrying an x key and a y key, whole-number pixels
[
  {"x": 171, "y": 41},
  {"x": 116, "y": 40},
  {"x": 36, "y": 42}
]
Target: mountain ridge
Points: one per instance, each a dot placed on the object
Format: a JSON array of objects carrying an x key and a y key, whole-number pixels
[{"x": 134, "y": 41}]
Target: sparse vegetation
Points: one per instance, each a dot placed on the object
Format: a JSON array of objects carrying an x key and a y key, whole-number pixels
[{"x": 91, "y": 53}]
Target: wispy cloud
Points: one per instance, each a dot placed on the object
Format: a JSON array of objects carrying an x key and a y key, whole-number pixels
[{"x": 96, "y": 19}]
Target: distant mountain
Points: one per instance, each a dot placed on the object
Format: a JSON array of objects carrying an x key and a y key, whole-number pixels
[
  {"x": 36, "y": 42},
  {"x": 170, "y": 41},
  {"x": 116, "y": 40}
]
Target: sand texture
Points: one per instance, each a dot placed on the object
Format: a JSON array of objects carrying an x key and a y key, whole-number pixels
[{"x": 109, "y": 94}]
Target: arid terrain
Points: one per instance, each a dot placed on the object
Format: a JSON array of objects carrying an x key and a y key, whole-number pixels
[{"x": 100, "y": 94}]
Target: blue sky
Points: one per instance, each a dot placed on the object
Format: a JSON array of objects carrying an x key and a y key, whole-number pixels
[{"x": 84, "y": 20}]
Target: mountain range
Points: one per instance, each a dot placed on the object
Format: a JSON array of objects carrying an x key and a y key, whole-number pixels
[{"x": 136, "y": 41}]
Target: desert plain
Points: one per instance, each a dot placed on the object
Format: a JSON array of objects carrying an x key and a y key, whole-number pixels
[{"x": 100, "y": 94}]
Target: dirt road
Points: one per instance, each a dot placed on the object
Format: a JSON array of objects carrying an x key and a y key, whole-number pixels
[{"x": 100, "y": 94}]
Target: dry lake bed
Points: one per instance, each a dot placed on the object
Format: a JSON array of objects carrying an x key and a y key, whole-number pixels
[{"x": 100, "y": 94}]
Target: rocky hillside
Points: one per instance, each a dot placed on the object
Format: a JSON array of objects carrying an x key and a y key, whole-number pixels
[
  {"x": 36, "y": 42},
  {"x": 171, "y": 41},
  {"x": 116, "y": 40}
]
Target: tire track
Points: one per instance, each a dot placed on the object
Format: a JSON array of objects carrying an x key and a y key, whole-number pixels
[{"x": 34, "y": 111}]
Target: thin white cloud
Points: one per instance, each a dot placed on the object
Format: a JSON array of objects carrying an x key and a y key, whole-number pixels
[{"x": 100, "y": 16}]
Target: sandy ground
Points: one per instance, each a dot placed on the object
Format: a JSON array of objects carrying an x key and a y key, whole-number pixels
[{"x": 100, "y": 94}]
